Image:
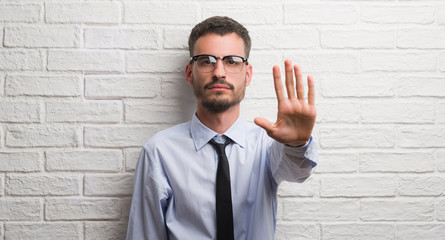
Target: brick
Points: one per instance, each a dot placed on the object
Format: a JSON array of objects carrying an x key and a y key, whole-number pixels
[
  {"x": 43, "y": 231},
  {"x": 1, "y": 44},
  {"x": 176, "y": 87},
  {"x": 337, "y": 162},
  {"x": 131, "y": 158},
  {"x": 338, "y": 112},
  {"x": 82, "y": 209},
  {"x": 421, "y": 186},
  {"x": 41, "y": 136},
  {"x": 156, "y": 12},
  {"x": 397, "y": 210},
  {"x": 400, "y": 61},
  {"x": 397, "y": 14},
  {"x": 29, "y": 13},
  {"x": 149, "y": 111},
  {"x": 116, "y": 87},
  {"x": 413, "y": 231},
  {"x": 176, "y": 38},
  {"x": 20, "y": 60},
  {"x": 42, "y": 36},
  {"x": 421, "y": 87},
  {"x": 351, "y": 137},
  {"x": 440, "y": 113},
  {"x": 287, "y": 38},
  {"x": 441, "y": 63},
  {"x": 291, "y": 189},
  {"x": 109, "y": 185},
  {"x": 84, "y": 160},
  {"x": 126, "y": 206},
  {"x": 82, "y": 60},
  {"x": 440, "y": 14},
  {"x": 123, "y": 38},
  {"x": 357, "y": 38},
  {"x": 110, "y": 136},
  {"x": 440, "y": 161},
  {"x": 13, "y": 209},
  {"x": 398, "y": 112},
  {"x": 263, "y": 61},
  {"x": 320, "y": 13},
  {"x": 397, "y": 162},
  {"x": 421, "y": 38},
  {"x": 105, "y": 230},
  {"x": 153, "y": 62},
  {"x": 328, "y": 210},
  {"x": 91, "y": 111},
  {"x": 43, "y": 185},
  {"x": 359, "y": 231},
  {"x": 85, "y": 12},
  {"x": 49, "y": 86},
  {"x": 259, "y": 13},
  {"x": 325, "y": 62},
  {"x": 19, "y": 112},
  {"x": 358, "y": 186},
  {"x": 287, "y": 231},
  {"x": 356, "y": 85},
  {"x": 421, "y": 137},
  {"x": 261, "y": 87},
  {"x": 20, "y": 161},
  {"x": 251, "y": 108},
  {"x": 440, "y": 209},
  {"x": 2, "y": 186}
]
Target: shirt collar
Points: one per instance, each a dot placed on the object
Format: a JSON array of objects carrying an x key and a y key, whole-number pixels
[{"x": 201, "y": 134}]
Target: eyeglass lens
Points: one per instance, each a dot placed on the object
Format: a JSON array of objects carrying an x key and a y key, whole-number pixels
[{"x": 232, "y": 64}]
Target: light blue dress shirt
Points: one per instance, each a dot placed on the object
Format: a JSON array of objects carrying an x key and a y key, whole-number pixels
[{"x": 174, "y": 188}]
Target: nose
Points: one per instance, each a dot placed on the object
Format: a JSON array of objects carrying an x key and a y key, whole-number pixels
[{"x": 219, "y": 71}]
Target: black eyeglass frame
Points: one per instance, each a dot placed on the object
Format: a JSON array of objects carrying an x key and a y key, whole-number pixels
[
  {"x": 194, "y": 58},
  {"x": 243, "y": 59}
]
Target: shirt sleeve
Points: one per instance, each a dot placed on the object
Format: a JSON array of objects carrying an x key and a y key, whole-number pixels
[
  {"x": 292, "y": 164},
  {"x": 149, "y": 202}
]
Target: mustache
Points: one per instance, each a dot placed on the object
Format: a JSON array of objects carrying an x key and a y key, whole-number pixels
[{"x": 219, "y": 81}]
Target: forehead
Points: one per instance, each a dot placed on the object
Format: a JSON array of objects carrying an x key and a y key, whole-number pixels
[{"x": 215, "y": 44}]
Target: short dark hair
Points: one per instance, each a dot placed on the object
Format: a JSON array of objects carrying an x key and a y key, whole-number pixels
[{"x": 220, "y": 25}]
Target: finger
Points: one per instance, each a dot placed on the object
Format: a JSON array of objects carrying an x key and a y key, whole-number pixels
[
  {"x": 263, "y": 123},
  {"x": 290, "y": 87},
  {"x": 299, "y": 80},
  {"x": 277, "y": 83},
  {"x": 311, "y": 90}
]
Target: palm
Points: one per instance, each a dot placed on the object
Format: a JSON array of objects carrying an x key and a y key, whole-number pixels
[{"x": 295, "y": 118}]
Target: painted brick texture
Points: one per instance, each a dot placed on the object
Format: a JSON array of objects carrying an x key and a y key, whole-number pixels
[{"x": 83, "y": 84}]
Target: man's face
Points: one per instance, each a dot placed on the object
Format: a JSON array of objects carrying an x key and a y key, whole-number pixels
[{"x": 218, "y": 90}]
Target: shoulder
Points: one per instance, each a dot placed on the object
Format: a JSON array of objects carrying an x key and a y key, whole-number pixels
[{"x": 168, "y": 135}]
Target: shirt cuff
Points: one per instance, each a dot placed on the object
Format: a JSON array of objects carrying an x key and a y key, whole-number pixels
[{"x": 307, "y": 151}]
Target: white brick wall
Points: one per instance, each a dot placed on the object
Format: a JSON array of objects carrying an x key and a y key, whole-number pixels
[{"x": 83, "y": 84}]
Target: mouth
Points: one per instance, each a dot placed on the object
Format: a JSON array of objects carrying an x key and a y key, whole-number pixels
[{"x": 219, "y": 87}]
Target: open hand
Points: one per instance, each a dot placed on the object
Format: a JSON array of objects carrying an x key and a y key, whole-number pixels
[{"x": 295, "y": 118}]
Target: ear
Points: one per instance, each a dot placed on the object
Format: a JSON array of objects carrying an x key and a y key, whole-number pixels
[
  {"x": 249, "y": 72},
  {"x": 188, "y": 73}
]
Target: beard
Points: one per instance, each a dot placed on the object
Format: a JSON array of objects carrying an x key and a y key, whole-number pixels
[{"x": 220, "y": 102}]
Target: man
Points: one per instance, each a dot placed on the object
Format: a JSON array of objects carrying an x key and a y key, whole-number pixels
[{"x": 180, "y": 189}]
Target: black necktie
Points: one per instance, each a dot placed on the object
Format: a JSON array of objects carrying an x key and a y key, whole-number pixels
[{"x": 224, "y": 213}]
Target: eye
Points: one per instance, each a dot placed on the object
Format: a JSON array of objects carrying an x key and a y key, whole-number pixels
[
  {"x": 204, "y": 60},
  {"x": 233, "y": 60}
]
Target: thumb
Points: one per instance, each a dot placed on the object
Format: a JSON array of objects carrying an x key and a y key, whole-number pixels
[{"x": 263, "y": 123}]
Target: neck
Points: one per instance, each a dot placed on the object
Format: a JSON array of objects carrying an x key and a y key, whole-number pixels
[{"x": 219, "y": 122}]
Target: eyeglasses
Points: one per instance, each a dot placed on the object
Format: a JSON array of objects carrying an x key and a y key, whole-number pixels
[{"x": 207, "y": 63}]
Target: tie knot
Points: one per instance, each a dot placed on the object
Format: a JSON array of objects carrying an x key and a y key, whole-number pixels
[{"x": 220, "y": 147}]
